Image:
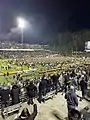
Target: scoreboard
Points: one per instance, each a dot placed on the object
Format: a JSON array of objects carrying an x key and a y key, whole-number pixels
[{"x": 87, "y": 46}]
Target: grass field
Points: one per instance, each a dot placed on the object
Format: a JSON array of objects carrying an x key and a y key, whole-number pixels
[
  {"x": 29, "y": 73},
  {"x": 13, "y": 70},
  {"x": 26, "y": 73}
]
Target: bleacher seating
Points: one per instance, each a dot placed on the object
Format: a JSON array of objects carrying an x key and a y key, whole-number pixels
[
  {"x": 11, "y": 109},
  {"x": 50, "y": 95},
  {"x": 15, "y": 45}
]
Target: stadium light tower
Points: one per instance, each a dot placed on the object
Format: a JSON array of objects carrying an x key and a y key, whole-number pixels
[{"x": 21, "y": 23}]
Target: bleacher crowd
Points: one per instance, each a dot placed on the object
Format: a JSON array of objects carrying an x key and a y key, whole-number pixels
[
  {"x": 25, "y": 91},
  {"x": 15, "y": 45}
]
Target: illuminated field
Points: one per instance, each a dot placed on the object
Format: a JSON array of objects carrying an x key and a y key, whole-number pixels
[
  {"x": 33, "y": 72},
  {"x": 26, "y": 73}
]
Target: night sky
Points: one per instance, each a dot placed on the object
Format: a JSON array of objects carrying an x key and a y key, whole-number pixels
[{"x": 48, "y": 17}]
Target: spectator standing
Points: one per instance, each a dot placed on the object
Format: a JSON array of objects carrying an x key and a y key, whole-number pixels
[
  {"x": 5, "y": 93},
  {"x": 55, "y": 82},
  {"x": 42, "y": 89},
  {"x": 15, "y": 92},
  {"x": 31, "y": 92},
  {"x": 72, "y": 100},
  {"x": 83, "y": 85}
]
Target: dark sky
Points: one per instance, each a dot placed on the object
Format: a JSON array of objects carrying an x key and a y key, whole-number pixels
[{"x": 48, "y": 17}]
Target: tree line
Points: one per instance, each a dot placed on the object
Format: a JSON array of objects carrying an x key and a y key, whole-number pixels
[{"x": 71, "y": 41}]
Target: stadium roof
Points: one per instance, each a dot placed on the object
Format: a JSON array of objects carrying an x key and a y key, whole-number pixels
[
  {"x": 28, "y": 50},
  {"x": 24, "y": 50}
]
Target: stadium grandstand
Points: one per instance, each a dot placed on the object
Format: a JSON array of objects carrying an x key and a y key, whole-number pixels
[
  {"x": 11, "y": 49},
  {"x": 15, "y": 45}
]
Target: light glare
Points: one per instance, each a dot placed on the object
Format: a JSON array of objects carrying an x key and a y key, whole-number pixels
[{"x": 21, "y": 23}]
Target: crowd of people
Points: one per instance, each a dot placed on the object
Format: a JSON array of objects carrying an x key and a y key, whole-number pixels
[
  {"x": 66, "y": 81},
  {"x": 15, "y": 45},
  {"x": 8, "y": 49}
]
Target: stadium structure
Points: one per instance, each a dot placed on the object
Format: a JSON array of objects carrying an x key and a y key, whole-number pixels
[{"x": 10, "y": 49}]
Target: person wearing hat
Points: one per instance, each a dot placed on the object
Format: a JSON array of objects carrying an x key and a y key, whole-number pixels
[{"x": 72, "y": 100}]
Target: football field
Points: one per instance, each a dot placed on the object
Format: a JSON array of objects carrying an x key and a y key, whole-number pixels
[
  {"x": 14, "y": 67},
  {"x": 25, "y": 71}
]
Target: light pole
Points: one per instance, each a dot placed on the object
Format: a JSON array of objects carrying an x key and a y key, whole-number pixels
[
  {"x": 22, "y": 36},
  {"x": 21, "y": 22}
]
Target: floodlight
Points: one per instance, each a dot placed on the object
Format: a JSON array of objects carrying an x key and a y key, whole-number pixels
[{"x": 21, "y": 23}]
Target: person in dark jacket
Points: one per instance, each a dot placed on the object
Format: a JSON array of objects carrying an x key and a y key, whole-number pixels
[
  {"x": 74, "y": 83},
  {"x": 86, "y": 79},
  {"x": 31, "y": 92},
  {"x": 15, "y": 94},
  {"x": 25, "y": 115},
  {"x": 48, "y": 89},
  {"x": 42, "y": 89},
  {"x": 83, "y": 85},
  {"x": 4, "y": 93},
  {"x": 55, "y": 82},
  {"x": 72, "y": 100},
  {"x": 73, "y": 74},
  {"x": 78, "y": 81},
  {"x": 66, "y": 82}
]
